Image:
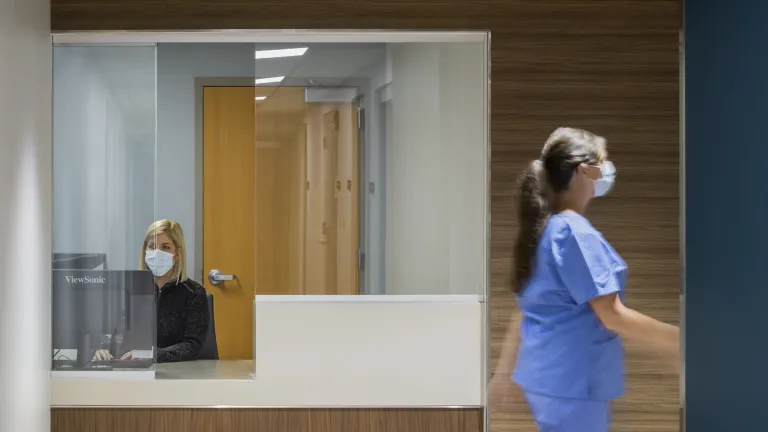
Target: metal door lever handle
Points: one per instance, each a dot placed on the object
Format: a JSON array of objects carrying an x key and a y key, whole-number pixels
[{"x": 215, "y": 277}]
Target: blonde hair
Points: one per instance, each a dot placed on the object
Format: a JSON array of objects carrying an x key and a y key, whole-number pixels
[{"x": 176, "y": 234}]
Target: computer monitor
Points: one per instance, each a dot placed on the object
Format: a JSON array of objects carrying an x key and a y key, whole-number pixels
[
  {"x": 79, "y": 261},
  {"x": 94, "y": 309}
]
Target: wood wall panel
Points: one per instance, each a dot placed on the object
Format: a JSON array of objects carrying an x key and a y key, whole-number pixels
[
  {"x": 273, "y": 420},
  {"x": 608, "y": 66}
]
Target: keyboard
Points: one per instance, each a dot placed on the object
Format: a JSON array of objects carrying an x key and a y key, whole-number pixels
[
  {"x": 64, "y": 365},
  {"x": 122, "y": 364}
]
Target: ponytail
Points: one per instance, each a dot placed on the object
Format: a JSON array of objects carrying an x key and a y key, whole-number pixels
[{"x": 533, "y": 211}]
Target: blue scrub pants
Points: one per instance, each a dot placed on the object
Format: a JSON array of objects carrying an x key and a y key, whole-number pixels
[{"x": 554, "y": 414}]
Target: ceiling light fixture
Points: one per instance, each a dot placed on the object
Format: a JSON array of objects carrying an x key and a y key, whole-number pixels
[
  {"x": 261, "y": 98},
  {"x": 290, "y": 52},
  {"x": 269, "y": 80}
]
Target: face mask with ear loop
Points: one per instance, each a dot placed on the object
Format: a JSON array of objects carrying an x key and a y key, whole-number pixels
[
  {"x": 605, "y": 184},
  {"x": 160, "y": 262}
]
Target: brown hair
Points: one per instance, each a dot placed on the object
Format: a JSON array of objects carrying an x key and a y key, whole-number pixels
[{"x": 563, "y": 152}]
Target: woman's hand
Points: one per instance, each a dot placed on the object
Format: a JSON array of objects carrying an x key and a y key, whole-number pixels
[
  {"x": 102, "y": 355},
  {"x": 502, "y": 392}
]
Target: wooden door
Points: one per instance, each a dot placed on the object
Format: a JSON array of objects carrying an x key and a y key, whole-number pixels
[
  {"x": 331, "y": 188},
  {"x": 280, "y": 202},
  {"x": 331, "y": 252},
  {"x": 314, "y": 249},
  {"x": 347, "y": 238},
  {"x": 229, "y": 213}
]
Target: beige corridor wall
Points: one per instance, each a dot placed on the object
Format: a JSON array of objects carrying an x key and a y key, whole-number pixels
[
  {"x": 436, "y": 168},
  {"x": 25, "y": 215}
]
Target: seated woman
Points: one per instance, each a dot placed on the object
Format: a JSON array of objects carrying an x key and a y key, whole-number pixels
[{"x": 182, "y": 306}]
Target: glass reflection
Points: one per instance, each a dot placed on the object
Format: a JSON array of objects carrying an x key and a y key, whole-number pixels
[{"x": 104, "y": 183}]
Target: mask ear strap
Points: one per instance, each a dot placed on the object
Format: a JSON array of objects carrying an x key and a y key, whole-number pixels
[{"x": 585, "y": 166}]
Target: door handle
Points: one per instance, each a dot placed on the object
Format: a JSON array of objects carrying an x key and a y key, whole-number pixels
[{"x": 215, "y": 277}]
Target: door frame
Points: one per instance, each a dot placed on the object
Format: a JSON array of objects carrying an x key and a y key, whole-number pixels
[
  {"x": 364, "y": 183},
  {"x": 362, "y": 84},
  {"x": 111, "y": 37}
]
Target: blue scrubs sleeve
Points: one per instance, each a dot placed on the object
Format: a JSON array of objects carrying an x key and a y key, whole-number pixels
[{"x": 584, "y": 264}]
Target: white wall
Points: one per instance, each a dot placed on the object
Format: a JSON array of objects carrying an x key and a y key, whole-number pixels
[
  {"x": 103, "y": 162},
  {"x": 25, "y": 209},
  {"x": 436, "y": 169}
]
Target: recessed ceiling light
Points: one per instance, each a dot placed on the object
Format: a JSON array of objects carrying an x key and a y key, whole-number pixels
[
  {"x": 290, "y": 52},
  {"x": 269, "y": 80},
  {"x": 261, "y": 98}
]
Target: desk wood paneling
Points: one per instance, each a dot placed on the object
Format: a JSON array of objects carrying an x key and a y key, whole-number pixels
[
  {"x": 608, "y": 66},
  {"x": 273, "y": 420}
]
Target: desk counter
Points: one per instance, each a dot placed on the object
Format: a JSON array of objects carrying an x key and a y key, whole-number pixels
[
  {"x": 206, "y": 370},
  {"x": 402, "y": 351}
]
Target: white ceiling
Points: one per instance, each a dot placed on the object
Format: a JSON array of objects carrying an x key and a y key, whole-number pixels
[{"x": 130, "y": 72}]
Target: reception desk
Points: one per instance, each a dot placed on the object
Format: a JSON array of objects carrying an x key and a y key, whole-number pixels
[{"x": 321, "y": 363}]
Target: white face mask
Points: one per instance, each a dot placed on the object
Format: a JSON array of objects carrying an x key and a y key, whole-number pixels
[
  {"x": 605, "y": 184},
  {"x": 160, "y": 262}
]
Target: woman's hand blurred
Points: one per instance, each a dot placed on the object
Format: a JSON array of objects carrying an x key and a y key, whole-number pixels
[
  {"x": 502, "y": 392},
  {"x": 102, "y": 355}
]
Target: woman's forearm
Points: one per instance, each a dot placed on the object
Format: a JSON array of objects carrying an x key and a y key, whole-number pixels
[
  {"x": 508, "y": 354},
  {"x": 636, "y": 326},
  {"x": 183, "y": 351}
]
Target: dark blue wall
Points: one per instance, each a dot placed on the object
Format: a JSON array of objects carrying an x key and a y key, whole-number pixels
[{"x": 726, "y": 186}]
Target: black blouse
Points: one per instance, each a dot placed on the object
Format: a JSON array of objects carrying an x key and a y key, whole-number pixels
[{"x": 182, "y": 321}]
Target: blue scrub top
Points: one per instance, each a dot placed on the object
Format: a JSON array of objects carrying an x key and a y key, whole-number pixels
[{"x": 564, "y": 350}]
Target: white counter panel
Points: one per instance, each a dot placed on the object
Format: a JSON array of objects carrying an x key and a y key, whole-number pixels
[{"x": 345, "y": 351}]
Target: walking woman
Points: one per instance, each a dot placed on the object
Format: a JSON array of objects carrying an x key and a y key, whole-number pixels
[{"x": 569, "y": 284}]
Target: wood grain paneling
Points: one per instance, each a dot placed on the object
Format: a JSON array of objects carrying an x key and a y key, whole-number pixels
[
  {"x": 607, "y": 66},
  {"x": 272, "y": 420}
]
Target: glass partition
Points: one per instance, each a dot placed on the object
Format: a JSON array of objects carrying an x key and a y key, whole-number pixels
[
  {"x": 104, "y": 199},
  {"x": 324, "y": 169},
  {"x": 363, "y": 168},
  {"x": 293, "y": 169}
]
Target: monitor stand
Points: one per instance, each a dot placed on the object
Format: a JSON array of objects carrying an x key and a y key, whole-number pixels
[{"x": 84, "y": 351}]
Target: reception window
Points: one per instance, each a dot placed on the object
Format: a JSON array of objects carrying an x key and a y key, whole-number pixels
[{"x": 292, "y": 168}]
